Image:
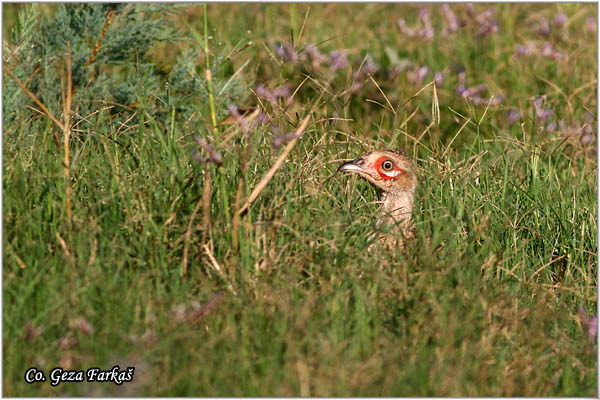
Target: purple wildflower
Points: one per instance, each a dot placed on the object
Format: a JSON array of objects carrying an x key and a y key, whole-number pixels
[
  {"x": 196, "y": 155},
  {"x": 543, "y": 27},
  {"x": 488, "y": 28},
  {"x": 485, "y": 16},
  {"x": 405, "y": 29},
  {"x": 541, "y": 113},
  {"x": 281, "y": 92},
  {"x": 514, "y": 116},
  {"x": 417, "y": 74},
  {"x": 499, "y": 98},
  {"x": 462, "y": 82},
  {"x": 472, "y": 92},
  {"x": 538, "y": 103},
  {"x": 369, "y": 66},
  {"x": 591, "y": 24},
  {"x": 552, "y": 127},
  {"x": 439, "y": 79},
  {"x": 428, "y": 31},
  {"x": 213, "y": 155},
  {"x": 262, "y": 117},
  {"x": 560, "y": 19},
  {"x": 279, "y": 141},
  {"x": 275, "y": 130},
  {"x": 355, "y": 87},
  {"x": 546, "y": 49},
  {"x": 587, "y": 132},
  {"x": 339, "y": 59},
  {"x": 280, "y": 51},
  {"x": 272, "y": 95},
  {"x": 525, "y": 50},
  {"x": 470, "y": 9},
  {"x": 262, "y": 91},
  {"x": 239, "y": 118},
  {"x": 315, "y": 55},
  {"x": 587, "y": 135},
  {"x": 521, "y": 51},
  {"x": 544, "y": 114},
  {"x": 494, "y": 101},
  {"x": 451, "y": 19},
  {"x": 286, "y": 52},
  {"x": 593, "y": 327}
]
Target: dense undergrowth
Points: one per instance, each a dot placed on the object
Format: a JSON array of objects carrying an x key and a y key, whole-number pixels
[{"x": 149, "y": 258}]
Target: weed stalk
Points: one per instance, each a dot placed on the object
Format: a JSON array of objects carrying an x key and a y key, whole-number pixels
[{"x": 67, "y": 137}]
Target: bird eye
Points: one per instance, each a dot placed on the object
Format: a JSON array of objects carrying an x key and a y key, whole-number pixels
[{"x": 387, "y": 165}]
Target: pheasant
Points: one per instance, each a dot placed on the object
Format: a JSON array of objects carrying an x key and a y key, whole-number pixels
[{"x": 392, "y": 172}]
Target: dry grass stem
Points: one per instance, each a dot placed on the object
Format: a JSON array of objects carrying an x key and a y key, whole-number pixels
[
  {"x": 63, "y": 244},
  {"x": 206, "y": 203},
  {"x": 455, "y": 136},
  {"x": 109, "y": 19},
  {"x": 271, "y": 172},
  {"x": 67, "y": 137},
  {"x": 383, "y": 94},
  {"x": 188, "y": 235},
  {"x": 215, "y": 265},
  {"x": 33, "y": 97}
]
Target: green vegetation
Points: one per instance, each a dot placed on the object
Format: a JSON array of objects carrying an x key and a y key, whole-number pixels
[{"x": 130, "y": 249}]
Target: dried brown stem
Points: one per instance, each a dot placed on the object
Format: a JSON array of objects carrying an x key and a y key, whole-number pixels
[
  {"x": 206, "y": 203},
  {"x": 271, "y": 172},
  {"x": 33, "y": 97},
  {"x": 67, "y": 136},
  {"x": 109, "y": 19}
]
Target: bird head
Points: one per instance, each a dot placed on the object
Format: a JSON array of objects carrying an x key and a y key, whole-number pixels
[{"x": 389, "y": 170}]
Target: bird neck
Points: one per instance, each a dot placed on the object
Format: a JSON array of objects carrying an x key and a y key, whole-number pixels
[{"x": 397, "y": 207}]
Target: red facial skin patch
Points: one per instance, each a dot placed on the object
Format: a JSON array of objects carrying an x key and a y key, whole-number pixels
[{"x": 388, "y": 175}]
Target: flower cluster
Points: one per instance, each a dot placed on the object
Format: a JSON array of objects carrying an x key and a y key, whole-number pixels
[
  {"x": 474, "y": 93},
  {"x": 212, "y": 154},
  {"x": 484, "y": 23},
  {"x": 279, "y": 139},
  {"x": 544, "y": 28},
  {"x": 337, "y": 59},
  {"x": 541, "y": 113},
  {"x": 427, "y": 31},
  {"x": 273, "y": 96},
  {"x": 544, "y": 117},
  {"x": 584, "y": 132},
  {"x": 546, "y": 50}
]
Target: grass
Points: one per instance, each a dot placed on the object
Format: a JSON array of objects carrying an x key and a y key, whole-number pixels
[{"x": 287, "y": 300}]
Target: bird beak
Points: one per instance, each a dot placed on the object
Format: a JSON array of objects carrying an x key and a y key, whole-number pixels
[{"x": 352, "y": 166}]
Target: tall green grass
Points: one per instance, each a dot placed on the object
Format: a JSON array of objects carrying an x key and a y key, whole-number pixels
[{"x": 295, "y": 302}]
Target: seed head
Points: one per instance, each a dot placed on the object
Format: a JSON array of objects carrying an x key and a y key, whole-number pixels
[
  {"x": 560, "y": 19},
  {"x": 339, "y": 60}
]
